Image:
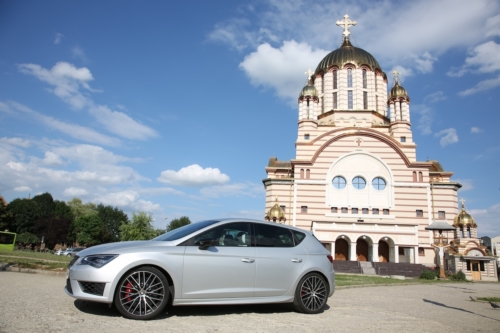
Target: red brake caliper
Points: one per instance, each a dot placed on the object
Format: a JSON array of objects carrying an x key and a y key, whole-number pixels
[{"x": 127, "y": 291}]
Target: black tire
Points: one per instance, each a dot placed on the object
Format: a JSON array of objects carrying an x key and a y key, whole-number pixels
[
  {"x": 311, "y": 294},
  {"x": 142, "y": 293}
]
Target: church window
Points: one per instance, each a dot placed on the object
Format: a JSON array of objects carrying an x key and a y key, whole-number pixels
[
  {"x": 385, "y": 212},
  {"x": 376, "y": 102},
  {"x": 334, "y": 210},
  {"x": 461, "y": 232},
  {"x": 308, "y": 173},
  {"x": 365, "y": 210},
  {"x": 344, "y": 210},
  {"x": 468, "y": 232},
  {"x": 365, "y": 100},
  {"x": 349, "y": 100},
  {"x": 335, "y": 100},
  {"x": 283, "y": 208},
  {"x": 322, "y": 105},
  {"x": 414, "y": 176},
  {"x": 323, "y": 83},
  {"x": 364, "y": 79},
  {"x": 419, "y": 213},
  {"x": 303, "y": 209},
  {"x": 420, "y": 176},
  {"x": 354, "y": 210},
  {"x": 375, "y": 211},
  {"x": 349, "y": 78},
  {"x": 378, "y": 183},
  {"x": 403, "y": 139},
  {"x": 359, "y": 183},
  {"x": 376, "y": 86},
  {"x": 421, "y": 251},
  {"x": 301, "y": 173},
  {"x": 308, "y": 102},
  {"x": 339, "y": 182},
  {"x": 306, "y": 136},
  {"x": 441, "y": 214},
  {"x": 334, "y": 79}
]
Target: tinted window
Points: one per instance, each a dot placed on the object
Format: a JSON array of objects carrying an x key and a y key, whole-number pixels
[
  {"x": 273, "y": 236},
  {"x": 184, "y": 231},
  {"x": 299, "y": 236},
  {"x": 231, "y": 234}
]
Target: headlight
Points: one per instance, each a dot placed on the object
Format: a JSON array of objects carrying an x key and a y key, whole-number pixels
[{"x": 97, "y": 260}]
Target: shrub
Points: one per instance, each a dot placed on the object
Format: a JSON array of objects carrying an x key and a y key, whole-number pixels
[
  {"x": 458, "y": 276},
  {"x": 428, "y": 275}
]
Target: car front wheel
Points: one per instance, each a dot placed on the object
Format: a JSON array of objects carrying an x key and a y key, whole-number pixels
[
  {"x": 142, "y": 293},
  {"x": 311, "y": 294}
]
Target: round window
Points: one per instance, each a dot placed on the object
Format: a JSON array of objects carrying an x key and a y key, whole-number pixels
[
  {"x": 359, "y": 183},
  {"x": 339, "y": 182},
  {"x": 378, "y": 183}
]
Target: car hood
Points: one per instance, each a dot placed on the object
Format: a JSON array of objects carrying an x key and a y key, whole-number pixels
[{"x": 123, "y": 247}]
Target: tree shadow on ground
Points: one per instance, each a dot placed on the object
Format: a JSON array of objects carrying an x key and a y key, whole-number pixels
[{"x": 458, "y": 309}]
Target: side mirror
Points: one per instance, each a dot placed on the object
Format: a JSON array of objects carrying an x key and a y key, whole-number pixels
[{"x": 207, "y": 242}]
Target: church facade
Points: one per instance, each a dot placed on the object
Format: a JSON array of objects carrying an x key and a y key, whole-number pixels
[{"x": 355, "y": 180}]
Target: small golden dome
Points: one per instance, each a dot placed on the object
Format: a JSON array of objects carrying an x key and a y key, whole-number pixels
[
  {"x": 464, "y": 219},
  {"x": 398, "y": 91},
  {"x": 276, "y": 213},
  {"x": 309, "y": 90}
]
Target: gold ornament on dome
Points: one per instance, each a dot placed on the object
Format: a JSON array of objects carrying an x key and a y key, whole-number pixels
[
  {"x": 464, "y": 219},
  {"x": 276, "y": 213}
]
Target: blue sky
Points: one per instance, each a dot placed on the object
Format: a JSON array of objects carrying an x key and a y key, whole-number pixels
[{"x": 174, "y": 108}]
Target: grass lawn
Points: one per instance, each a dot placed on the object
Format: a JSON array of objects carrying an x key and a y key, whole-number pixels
[
  {"x": 345, "y": 280},
  {"x": 35, "y": 260}
]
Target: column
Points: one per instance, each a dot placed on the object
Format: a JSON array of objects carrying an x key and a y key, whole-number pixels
[
  {"x": 332, "y": 249},
  {"x": 396, "y": 253},
  {"x": 375, "y": 252},
  {"x": 393, "y": 112},
  {"x": 352, "y": 253},
  {"x": 415, "y": 252},
  {"x": 397, "y": 110}
]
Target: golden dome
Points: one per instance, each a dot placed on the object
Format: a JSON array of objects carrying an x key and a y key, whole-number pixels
[
  {"x": 347, "y": 54},
  {"x": 464, "y": 219},
  {"x": 276, "y": 213},
  {"x": 308, "y": 90},
  {"x": 398, "y": 91}
]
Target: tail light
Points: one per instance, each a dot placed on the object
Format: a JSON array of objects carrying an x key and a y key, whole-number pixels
[{"x": 330, "y": 258}]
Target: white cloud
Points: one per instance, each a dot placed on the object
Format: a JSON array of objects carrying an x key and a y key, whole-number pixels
[
  {"x": 424, "y": 62},
  {"x": 475, "y": 130},
  {"x": 482, "y": 86},
  {"x": 75, "y": 192},
  {"x": 238, "y": 189},
  {"x": 52, "y": 159},
  {"x": 426, "y": 118},
  {"x": 483, "y": 59},
  {"x": 493, "y": 26},
  {"x": 58, "y": 38},
  {"x": 79, "y": 53},
  {"x": 122, "y": 198},
  {"x": 145, "y": 206},
  {"x": 435, "y": 97},
  {"x": 193, "y": 175},
  {"x": 121, "y": 124},
  {"x": 270, "y": 67},
  {"x": 447, "y": 137},
  {"x": 487, "y": 220},
  {"x": 467, "y": 184},
  {"x": 16, "y": 142},
  {"x": 23, "y": 189},
  {"x": 66, "y": 79}
]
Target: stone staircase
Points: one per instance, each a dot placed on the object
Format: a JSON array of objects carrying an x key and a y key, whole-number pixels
[
  {"x": 378, "y": 268},
  {"x": 367, "y": 268}
]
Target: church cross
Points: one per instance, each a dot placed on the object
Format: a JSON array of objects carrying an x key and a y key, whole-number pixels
[
  {"x": 359, "y": 141},
  {"x": 463, "y": 202},
  {"x": 309, "y": 73},
  {"x": 396, "y": 75},
  {"x": 346, "y": 23}
]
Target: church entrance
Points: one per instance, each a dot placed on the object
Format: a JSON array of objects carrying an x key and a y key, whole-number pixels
[
  {"x": 383, "y": 252},
  {"x": 341, "y": 249},
  {"x": 362, "y": 250},
  {"x": 475, "y": 269}
]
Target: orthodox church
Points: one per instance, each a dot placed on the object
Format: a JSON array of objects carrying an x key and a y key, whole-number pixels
[{"x": 355, "y": 181}]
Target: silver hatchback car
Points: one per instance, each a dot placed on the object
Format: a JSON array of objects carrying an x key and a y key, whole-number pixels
[{"x": 229, "y": 261}]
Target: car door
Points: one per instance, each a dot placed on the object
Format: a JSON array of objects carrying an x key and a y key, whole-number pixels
[
  {"x": 225, "y": 269},
  {"x": 279, "y": 261}
]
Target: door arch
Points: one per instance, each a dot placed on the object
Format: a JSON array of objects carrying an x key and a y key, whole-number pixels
[
  {"x": 362, "y": 250},
  {"x": 341, "y": 249},
  {"x": 383, "y": 251}
]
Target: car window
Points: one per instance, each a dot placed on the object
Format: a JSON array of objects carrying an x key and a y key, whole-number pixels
[
  {"x": 184, "y": 231},
  {"x": 273, "y": 236},
  {"x": 230, "y": 234},
  {"x": 299, "y": 236}
]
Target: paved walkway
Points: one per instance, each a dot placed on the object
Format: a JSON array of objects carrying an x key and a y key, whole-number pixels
[{"x": 38, "y": 303}]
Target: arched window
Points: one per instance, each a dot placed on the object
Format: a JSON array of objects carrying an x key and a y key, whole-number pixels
[
  {"x": 420, "y": 176},
  {"x": 323, "y": 83},
  {"x": 335, "y": 79},
  {"x": 339, "y": 182},
  {"x": 349, "y": 78},
  {"x": 414, "y": 176},
  {"x": 308, "y": 173},
  {"x": 378, "y": 183},
  {"x": 335, "y": 100},
  {"x": 365, "y": 100},
  {"x": 365, "y": 84},
  {"x": 359, "y": 183},
  {"x": 468, "y": 232},
  {"x": 350, "y": 104},
  {"x": 301, "y": 173},
  {"x": 376, "y": 85},
  {"x": 461, "y": 232}
]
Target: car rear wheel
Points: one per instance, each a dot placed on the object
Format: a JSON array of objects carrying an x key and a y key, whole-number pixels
[
  {"x": 142, "y": 293},
  {"x": 311, "y": 294}
]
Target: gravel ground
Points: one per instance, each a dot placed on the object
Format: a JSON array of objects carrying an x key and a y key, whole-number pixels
[{"x": 38, "y": 303}]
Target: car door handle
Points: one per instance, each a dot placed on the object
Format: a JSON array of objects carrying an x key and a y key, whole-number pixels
[
  {"x": 249, "y": 260},
  {"x": 297, "y": 260}
]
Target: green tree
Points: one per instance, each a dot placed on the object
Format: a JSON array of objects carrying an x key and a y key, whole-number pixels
[
  {"x": 27, "y": 238},
  {"x": 52, "y": 229},
  {"x": 88, "y": 230},
  {"x": 112, "y": 219},
  {"x": 139, "y": 228},
  {"x": 78, "y": 208},
  {"x": 45, "y": 203},
  {"x": 5, "y": 215},
  {"x": 24, "y": 214},
  {"x": 177, "y": 223},
  {"x": 62, "y": 210}
]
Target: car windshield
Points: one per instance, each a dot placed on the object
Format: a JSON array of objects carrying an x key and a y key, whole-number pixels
[{"x": 184, "y": 231}]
